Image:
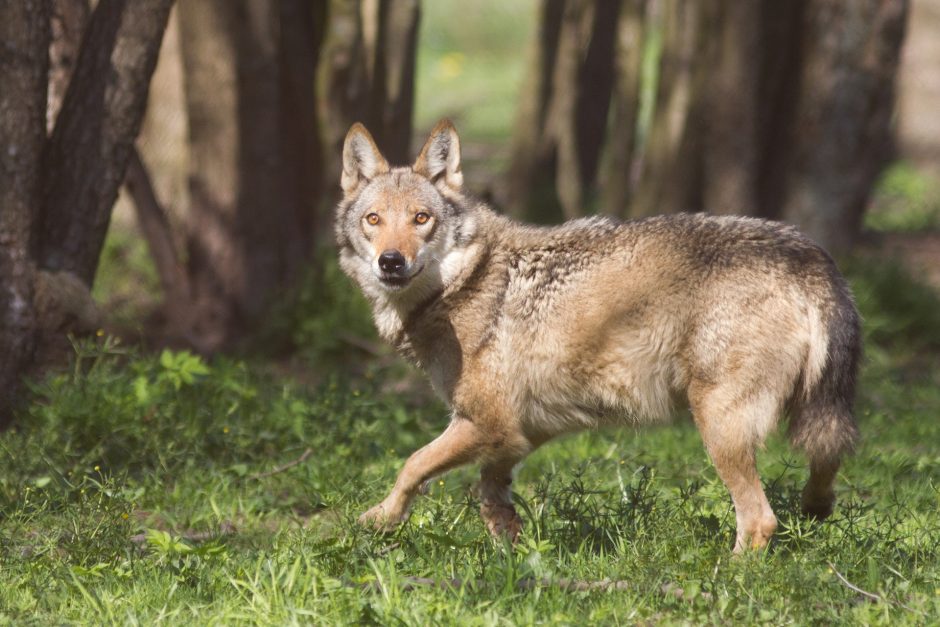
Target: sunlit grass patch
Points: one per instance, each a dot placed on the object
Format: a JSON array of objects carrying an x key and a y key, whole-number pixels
[
  {"x": 163, "y": 489},
  {"x": 905, "y": 200}
]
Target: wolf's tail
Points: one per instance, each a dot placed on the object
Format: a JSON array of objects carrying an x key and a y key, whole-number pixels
[{"x": 823, "y": 420}]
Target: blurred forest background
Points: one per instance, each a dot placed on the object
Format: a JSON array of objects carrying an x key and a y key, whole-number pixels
[
  {"x": 200, "y": 407},
  {"x": 168, "y": 172}
]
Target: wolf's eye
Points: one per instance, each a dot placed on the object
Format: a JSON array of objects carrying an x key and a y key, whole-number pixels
[
  {"x": 372, "y": 218},
  {"x": 421, "y": 217}
]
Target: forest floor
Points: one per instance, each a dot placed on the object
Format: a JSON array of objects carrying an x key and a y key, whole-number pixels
[{"x": 159, "y": 488}]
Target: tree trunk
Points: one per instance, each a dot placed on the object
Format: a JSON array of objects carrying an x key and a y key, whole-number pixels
[
  {"x": 778, "y": 109},
  {"x": 155, "y": 227},
  {"x": 69, "y": 18},
  {"x": 530, "y": 188},
  {"x": 670, "y": 165},
  {"x": 95, "y": 130},
  {"x": 570, "y": 97},
  {"x": 843, "y": 120},
  {"x": 347, "y": 89},
  {"x": 369, "y": 75},
  {"x": 24, "y": 31},
  {"x": 780, "y": 58},
  {"x": 254, "y": 155},
  {"x": 394, "y": 78},
  {"x": 625, "y": 105},
  {"x": 729, "y": 107}
]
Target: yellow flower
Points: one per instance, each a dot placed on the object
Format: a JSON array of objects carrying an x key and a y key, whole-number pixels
[
  {"x": 97, "y": 468},
  {"x": 451, "y": 65},
  {"x": 125, "y": 516},
  {"x": 225, "y": 429},
  {"x": 100, "y": 332}
]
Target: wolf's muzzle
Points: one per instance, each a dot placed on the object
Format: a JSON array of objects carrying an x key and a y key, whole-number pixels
[
  {"x": 391, "y": 262},
  {"x": 395, "y": 270}
]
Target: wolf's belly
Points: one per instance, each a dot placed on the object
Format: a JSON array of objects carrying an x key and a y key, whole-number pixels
[{"x": 559, "y": 404}]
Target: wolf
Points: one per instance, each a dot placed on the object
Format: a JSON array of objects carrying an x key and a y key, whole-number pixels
[{"x": 531, "y": 332}]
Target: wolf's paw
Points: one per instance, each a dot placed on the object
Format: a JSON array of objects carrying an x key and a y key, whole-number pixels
[
  {"x": 817, "y": 510},
  {"x": 755, "y": 535},
  {"x": 817, "y": 504},
  {"x": 379, "y": 518},
  {"x": 502, "y": 520}
]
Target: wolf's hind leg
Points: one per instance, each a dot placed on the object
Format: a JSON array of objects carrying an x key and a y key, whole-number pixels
[
  {"x": 496, "y": 498},
  {"x": 460, "y": 443},
  {"x": 825, "y": 433},
  {"x": 732, "y": 440},
  {"x": 755, "y": 519},
  {"x": 818, "y": 495}
]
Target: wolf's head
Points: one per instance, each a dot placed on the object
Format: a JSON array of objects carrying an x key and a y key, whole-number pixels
[{"x": 396, "y": 226}]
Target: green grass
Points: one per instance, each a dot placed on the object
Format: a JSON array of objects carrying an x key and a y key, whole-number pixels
[
  {"x": 126, "y": 281},
  {"x": 906, "y": 199},
  {"x": 130, "y": 493}
]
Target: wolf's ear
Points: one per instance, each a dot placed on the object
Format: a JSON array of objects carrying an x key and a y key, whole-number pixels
[
  {"x": 440, "y": 158},
  {"x": 361, "y": 158}
]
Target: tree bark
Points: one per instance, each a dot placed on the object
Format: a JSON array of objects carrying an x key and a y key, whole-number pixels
[
  {"x": 729, "y": 108},
  {"x": 95, "y": 130},
  {"x": 570, "y": 98},
  {"x": 254, "y": 155},
  {"x": 671, "y": 164},
  {"x": 369, "y": 74},
  {"x": 780, "y": 59},
  {"x": 24, "y": 31},
  {"x": 582, "y": 115},
  {"x": 530, "y": 188},
  {"x": 625, "y": 105},
  {"x": 69, "y": 18},
  {"x": 777, "y": 109},
  {"x": 394, "y": 78},
  {"x": 347, "y": 88},
  {"x": 843, "y": 119}
]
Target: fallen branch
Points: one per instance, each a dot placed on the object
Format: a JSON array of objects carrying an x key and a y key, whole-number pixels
[
  {"x": 848, "y": 584},
  {"x": 303, "y": 457},
  {"x": 870, "y": 595}
]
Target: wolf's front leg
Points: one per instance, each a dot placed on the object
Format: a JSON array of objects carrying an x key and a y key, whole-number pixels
[
  {"x": 496, "y": 498},
  {"x": 461, "y": 443}
]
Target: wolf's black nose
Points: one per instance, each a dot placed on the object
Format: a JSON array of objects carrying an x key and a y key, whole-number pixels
[{"x": 391, "y": 261}]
